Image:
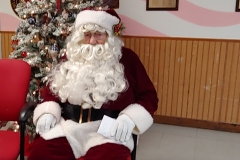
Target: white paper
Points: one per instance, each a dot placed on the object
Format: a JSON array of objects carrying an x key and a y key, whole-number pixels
[{"x": 105, "y": 128}]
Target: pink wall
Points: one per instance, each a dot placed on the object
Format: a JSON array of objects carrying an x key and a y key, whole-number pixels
[
  {"x": 8, "y": 22},
  {"x": 201, "y": 19}
]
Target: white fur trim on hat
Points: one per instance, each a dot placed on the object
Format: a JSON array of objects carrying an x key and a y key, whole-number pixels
[
  {"x": 140, "y": 116},
  {"x": 47, "y": 107},
  {"x": 100, "y": 18}
]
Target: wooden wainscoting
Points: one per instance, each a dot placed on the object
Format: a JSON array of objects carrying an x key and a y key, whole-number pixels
[
  {"x": 197, "y": 80},
  {"x": 6, "y": 41}
]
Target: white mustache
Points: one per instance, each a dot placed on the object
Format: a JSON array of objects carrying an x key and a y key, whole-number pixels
[{"x": 88, "y": 52}]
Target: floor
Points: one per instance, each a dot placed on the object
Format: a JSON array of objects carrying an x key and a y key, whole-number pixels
[{"x": 168, "y": 142}]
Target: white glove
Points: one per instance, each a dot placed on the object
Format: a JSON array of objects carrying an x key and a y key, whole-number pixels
[
  {"x": 122, "y": 128},
  {"x": 45, "y": 123}
]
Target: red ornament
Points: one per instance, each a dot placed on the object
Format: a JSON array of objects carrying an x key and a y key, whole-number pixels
[
  {"x": 58, "y": 3},
  {"x": 63, "y": 57},
  {"x": 24, "y": 54}
]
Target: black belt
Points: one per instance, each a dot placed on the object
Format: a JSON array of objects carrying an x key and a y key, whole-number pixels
[{"x": 78, "y": 114}]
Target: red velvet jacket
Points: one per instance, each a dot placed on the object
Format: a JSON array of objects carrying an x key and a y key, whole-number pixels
[{"x": 140, "y": 91}]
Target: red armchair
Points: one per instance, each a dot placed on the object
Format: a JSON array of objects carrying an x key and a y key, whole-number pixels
[{"x": 14, "y": 84}]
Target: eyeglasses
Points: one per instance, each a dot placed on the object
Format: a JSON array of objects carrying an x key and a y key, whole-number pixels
[{"x": 96, "y": 35}]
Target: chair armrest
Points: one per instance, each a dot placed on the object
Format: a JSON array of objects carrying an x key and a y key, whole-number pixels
[{"x": 26, "y": 111}]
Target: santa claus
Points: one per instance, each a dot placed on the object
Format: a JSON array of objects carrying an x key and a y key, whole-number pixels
[{"x": 99, "y": 78}]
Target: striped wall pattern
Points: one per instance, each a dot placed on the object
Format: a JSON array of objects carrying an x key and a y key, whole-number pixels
[
  {"x": 6, "y": 42},
  {"x": 195, "y": 78}
]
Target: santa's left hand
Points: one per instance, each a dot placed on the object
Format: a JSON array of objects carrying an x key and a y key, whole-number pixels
[{"x": 122, "y": 128}]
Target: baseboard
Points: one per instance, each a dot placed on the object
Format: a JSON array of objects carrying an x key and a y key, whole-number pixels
[{"x": 197, "y": 123}]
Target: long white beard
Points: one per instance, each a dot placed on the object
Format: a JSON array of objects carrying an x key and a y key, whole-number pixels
[{"x": 91, "y": 76}]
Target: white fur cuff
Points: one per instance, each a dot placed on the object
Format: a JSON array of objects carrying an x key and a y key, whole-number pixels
[
  {"x": 140, "y": 116},
  {"x": 47, "y": 107}
]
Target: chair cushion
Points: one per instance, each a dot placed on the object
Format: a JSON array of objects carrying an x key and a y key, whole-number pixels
[{"x": 9, "y": 144}]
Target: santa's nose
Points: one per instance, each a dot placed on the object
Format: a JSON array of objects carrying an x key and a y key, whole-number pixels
[{"x": 93, "y": 40}]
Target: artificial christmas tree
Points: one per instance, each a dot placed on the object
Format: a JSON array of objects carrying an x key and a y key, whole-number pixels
[{"x": 40, "y": 38}]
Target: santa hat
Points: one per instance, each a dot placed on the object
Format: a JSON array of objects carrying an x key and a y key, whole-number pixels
[{"x": 104, "y": 18}]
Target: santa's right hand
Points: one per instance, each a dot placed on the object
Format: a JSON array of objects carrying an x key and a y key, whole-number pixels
[{"x": 45, "y": 123}]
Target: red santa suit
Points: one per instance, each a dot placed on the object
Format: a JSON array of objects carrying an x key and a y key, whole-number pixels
[{"x": 72, "y": 140}]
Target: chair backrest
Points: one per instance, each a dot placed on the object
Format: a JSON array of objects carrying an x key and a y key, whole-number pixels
[{"x": 14, "y": 83}]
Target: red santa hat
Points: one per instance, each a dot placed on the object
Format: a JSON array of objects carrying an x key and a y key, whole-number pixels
[{"x": 104, "y": 18}]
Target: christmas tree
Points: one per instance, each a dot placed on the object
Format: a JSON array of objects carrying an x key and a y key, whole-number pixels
[{"x": 40, "y": 38}]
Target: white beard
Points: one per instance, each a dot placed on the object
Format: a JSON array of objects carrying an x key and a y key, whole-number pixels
[{"x": 91, "y": 76}]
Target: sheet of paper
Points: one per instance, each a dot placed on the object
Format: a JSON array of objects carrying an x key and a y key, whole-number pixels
[{"x": 105, "y": 128}]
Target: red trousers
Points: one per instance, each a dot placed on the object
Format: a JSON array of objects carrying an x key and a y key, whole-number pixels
[{"x": 59, "y": 149}]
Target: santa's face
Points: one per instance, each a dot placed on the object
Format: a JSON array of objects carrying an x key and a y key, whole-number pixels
[{"x": 94, "y": 38}]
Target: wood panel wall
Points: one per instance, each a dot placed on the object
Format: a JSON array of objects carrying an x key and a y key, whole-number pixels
[
  {"x": 195, "y": 79},
  {"x": 6, "y": 41}
]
